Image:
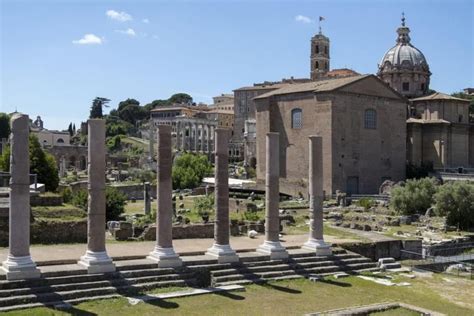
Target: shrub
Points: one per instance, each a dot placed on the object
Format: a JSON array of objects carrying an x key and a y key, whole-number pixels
[
  {"x": 189, "y": 170},
  {"x": 114, "y": 202},
  {"x": 366, "y": 203},
  {"x": 204, "y": 204},
  {"x": 456, "y": 202},
  {"x": 415, "y": 197},
  {"x": 67, "y": 195}
]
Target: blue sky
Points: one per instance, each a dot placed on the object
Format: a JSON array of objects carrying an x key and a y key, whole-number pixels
[{"x": 151, "y": 49}]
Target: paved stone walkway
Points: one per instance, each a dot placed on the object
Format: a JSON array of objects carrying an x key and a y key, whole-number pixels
[{"x": 70, "y": 252}]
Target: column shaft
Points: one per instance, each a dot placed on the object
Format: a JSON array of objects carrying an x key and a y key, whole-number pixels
[
  {"x": 315, "y": 179},
  {"x": 272, "y": 244},
  {"x": 96, "y": 259},
  {"x": 164, "y": 253},
  {"x": 19, "y": 264}
]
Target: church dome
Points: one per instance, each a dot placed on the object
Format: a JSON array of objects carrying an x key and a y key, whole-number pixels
[
  {"x": 404, "y": 55},
  {"x": 404, "y": 67}
]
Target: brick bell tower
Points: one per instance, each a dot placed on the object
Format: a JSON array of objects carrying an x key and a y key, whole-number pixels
[{"x": 319, "y": 54}]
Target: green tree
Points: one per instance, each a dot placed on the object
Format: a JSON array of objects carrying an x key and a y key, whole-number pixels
[
  {"x": 415, "y": 197},
  {"x": 456, "y": 202},
  {"x": 115, "y": 202},
  {"x": 204, "y": 204},
  {"x": 69, "y": 129},
  {"x": 4, "y": 125},
  {"x": 42, "y": 164},
  {"x": 97, "y": 106},
  {"x": 156, "y": 103},
  {"x": 189, "y": 170},
  {"x": 181, "y": 98}
]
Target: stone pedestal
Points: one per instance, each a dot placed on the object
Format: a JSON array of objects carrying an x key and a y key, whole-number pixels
[
  {"x": 316, "y": 240},
  {"x": 272, "y": 245},
  {"x": 96, "y": 259},
  {"x": 221, "y": 248},
  {"x": 19, "y": 264},
  {"x": 164, "y": 253}
]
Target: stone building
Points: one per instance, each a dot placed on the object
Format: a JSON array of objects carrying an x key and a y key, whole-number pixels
[
  {"x": 362, "y": 122},
  {"x": 404, "y": 67},
  {"x": 49, "y": 137},
  {"x": 439, "y": 132}
]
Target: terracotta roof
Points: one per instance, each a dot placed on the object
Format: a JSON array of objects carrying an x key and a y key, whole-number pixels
[
  {"x": 438, "y": 96},
  {"x": 313, "y": 86},
  {"x": 342, "y": 72},
  {"x": 270, "y": 85}
]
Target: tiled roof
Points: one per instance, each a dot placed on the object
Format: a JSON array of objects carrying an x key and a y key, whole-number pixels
[
  {"x": 313, "y": 86},
  {"x": 438, "y": 96}
]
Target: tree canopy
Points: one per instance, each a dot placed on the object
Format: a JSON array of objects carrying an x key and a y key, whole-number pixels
[
  {"x": 4, "y": 125},
  {"x": 42, "y": 164},
  {"x": 189, "y": 170},
  {"x": 96, "y": 108}
]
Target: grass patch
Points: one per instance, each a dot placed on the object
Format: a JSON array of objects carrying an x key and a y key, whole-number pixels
[
  {"x": 295, "y": 297},
  {"x": 65, "y": 212}
]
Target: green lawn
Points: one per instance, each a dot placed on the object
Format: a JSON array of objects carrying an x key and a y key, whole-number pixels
[{"x": 292, "y": 298}]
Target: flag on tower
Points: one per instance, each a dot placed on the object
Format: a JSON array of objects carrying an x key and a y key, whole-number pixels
[{"x": 321, "y": 18}]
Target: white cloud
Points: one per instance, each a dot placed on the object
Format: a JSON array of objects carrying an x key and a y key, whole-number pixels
[
  {"x": 88, "y": 39},
  {"x": 129, "y": 32},
  {"x": 146, "y": 21},
  {"x": 303, "y": 19},
  {"x": 118, "y": 16}
]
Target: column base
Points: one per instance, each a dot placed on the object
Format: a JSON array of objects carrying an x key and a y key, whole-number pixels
[
  {"x": 319, "y": 246},
  {"x": 19, "y": 268},
  {"x": 165, "y": 257},
  {"x": 97, "y": 262},
  {"x": 224, "y": 253},
  {"x": 274, "y": 249}
]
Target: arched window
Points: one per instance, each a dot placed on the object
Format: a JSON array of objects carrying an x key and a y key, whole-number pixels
[
  {"x": 317, "y": 49},
  {"x": 296, "y": 118},
  {"x": 370, "y": 120},
  {"x": 60, "y": 141}
]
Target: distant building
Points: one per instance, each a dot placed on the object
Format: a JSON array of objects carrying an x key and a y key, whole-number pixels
[
  {"x": 361, "y": 120},
  {"x": 49, "y": 137},
  {"x": 469, "y": 91}
]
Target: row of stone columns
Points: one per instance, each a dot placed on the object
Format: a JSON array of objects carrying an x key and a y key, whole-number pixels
[
  {"x": 199, "y": 138},
  {"x": 19, "y": 264}
]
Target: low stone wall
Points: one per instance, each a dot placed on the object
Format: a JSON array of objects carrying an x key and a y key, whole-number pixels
[
  {"x": 54, "y": 232},
  {"x": 50, "y": 232},
  {"x": 135, "y": 191},
  {"x": 183, "y": 231},
  {"x": 46, "y": 200},
  {"x": 383, "y": 249}
]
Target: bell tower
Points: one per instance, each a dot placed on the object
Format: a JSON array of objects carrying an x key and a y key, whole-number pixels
[{"x": 319, "y": 55}]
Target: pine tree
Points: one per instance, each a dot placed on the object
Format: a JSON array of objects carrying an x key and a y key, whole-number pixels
[{"x": 96, "y": 108}]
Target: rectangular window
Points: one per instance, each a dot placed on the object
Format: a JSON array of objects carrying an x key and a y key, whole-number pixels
[
  {"x": 296, "y": 118},
  {"x": 406, "y": 86}
]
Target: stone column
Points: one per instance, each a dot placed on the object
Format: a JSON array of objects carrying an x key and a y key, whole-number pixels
[
  {"x": 316, "y": 240},
  {"x": 152, "y": 147},
  {"x": 196, "y": 137},
  {"x": 272, "y": 245},
  {"x": 178, "y": 129},
  {"x": 221, "y": 248},
  {"x": 146, "y": 198},
  {"x": 96, "y": 259},
  {"x": 19, "y": 264},
  {"x": 208, "y": 139},
  {"x": 164, "y": 253}
]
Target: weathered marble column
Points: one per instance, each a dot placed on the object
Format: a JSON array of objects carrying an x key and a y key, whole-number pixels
[
  {"x": 208, "y": 139},
  {"x": 146, "y": 198},
  {"x": 19, "y": 264},
  {"x": 178, "y": 140},
  {"x": 196, "y": 137},
  {"x": 316, "y": 239},
  {"x": 221, "y": 248},
  {"x": 164, "y": 253},
  {"x": 96, "y": 259},
  {"x": 272, "y": 245}
]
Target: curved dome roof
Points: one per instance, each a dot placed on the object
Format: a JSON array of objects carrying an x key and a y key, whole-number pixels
[{"x": 404, "y": 52}]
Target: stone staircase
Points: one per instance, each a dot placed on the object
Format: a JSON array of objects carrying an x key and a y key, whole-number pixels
[
  {"x": 259, "y": 269},
  {"x": 74, "y": 285},
  {"x": 70, "y": 284}
]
